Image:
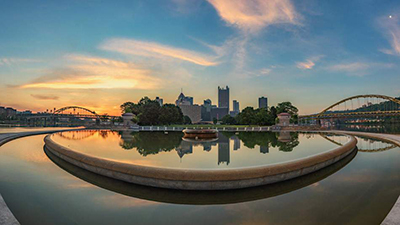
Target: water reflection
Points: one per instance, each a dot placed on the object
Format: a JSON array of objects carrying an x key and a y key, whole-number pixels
[
  {"x": 363, "y": 144},
  {"x": 155, "y": 142},
  {"x": 172, "y": 150},
  {"x": 199, "y": 197},
  {"x": 392, "y": 128},
  {"x": 147, "y": 143}
]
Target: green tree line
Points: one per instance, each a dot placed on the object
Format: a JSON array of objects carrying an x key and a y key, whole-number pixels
[
  {"x": 262, "y": 116},
  {"x": 149, "y": 112}
]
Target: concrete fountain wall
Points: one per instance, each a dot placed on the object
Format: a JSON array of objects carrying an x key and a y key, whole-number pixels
[{"x": 201, "y": 179}]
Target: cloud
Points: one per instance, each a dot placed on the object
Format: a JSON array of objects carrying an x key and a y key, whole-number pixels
[
  {"x": 306, "y": 65},
  {"x": 13, "y": 61},
  {"x": 359, "y": 68},
  {"x": 391, "y": 25},
  {"x": 45, "y": 97},
  {"x": 350, "y": 67},
  {"x": 253, "y": 15},
  {"x": 309, "y": 63},
  {"x": 156, "y": 50},
  {"x": 91, "y": 72}
]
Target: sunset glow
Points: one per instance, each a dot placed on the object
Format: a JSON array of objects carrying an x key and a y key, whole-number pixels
[{"x": 286, "y": 50}]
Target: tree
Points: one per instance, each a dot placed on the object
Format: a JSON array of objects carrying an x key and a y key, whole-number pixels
[
  {"x": 286, "y": 107},
  {"x": 130, "y": 107},
  {"x": 247, "y": 116},
  {"x": 263, "y": 117},
  {"x": 187, "y": 120},
  {"x": 149, "y": 112},
  {"x": 215, "y": 120},
  {"x": 229, "y": 120},
  {"x": 170, "y": 114},
  {"x": 273, "y": 112}
]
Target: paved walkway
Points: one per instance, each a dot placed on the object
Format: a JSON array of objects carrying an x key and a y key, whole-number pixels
[{"x": 6, "y": 217}]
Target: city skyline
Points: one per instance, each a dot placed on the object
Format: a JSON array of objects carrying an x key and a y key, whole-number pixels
[{"x": 311, "y": 53}]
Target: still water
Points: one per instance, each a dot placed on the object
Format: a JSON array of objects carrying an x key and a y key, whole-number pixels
[
  {"x": 30, "y": 129},
  {"x": 40, "y": 189},
  {"x": 157, "y": 149}
]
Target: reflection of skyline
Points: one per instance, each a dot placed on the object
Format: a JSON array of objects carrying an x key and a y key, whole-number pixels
[
  {"x": 150, "y": 143},
  {"x": 236, "y": 142},
  {"x": 264, "y": 149},
  {"x": 223, "y": 150},
  {"x": 184, "y": 148}
]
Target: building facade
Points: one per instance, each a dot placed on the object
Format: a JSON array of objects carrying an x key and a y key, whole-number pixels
[
  {"x": 184, "y": 100},
  {"x": 236, "y": 109},
  {"x": 218, "y": 113},
  {"x": 284, "y": 119},
  {"x": 223, "y": 97},
  {"x": 192, "y": 111},
  {"x": 262, "y": 102}
]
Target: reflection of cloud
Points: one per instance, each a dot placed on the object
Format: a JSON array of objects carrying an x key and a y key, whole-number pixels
[
  {"x": 45, "y": 97},
  {"x": 253, "y": 15},
  {"x": 89, "y": 72},
  {"x": 392, "y": 28},
  {"x": 152, "y": 49}
]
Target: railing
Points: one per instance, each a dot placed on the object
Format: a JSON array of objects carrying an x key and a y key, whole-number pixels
[{"x": 227, "y": 129}]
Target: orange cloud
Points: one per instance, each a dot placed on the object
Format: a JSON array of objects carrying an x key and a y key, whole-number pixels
[
  {"x": 253, "y": 15},
  {"x": 89, "y": 72},
  {"x": 306, "y": 65},
  {"x": 45, "y": 97},
  {"x": 309, "y": 63},
  {"x": 152, "y": 49}
]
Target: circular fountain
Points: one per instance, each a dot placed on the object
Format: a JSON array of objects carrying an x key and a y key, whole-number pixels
[
  {"x": 161, "y": 173},
  {"x": 202, "y": 134}
]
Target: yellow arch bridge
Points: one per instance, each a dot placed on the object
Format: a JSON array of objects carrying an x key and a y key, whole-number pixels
[
  {"x": 359, "y": 106},
  {"x": 68, "y": 113}
]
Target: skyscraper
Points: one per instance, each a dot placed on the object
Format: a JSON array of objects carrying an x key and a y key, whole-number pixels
[
  {"x": 236, "y": 109},
  {"x": 235, "y": 106},
  {"x": 184, "y": 100},
  {"x": 262, "y": 102},
  {"x": 223, "y": 97}
]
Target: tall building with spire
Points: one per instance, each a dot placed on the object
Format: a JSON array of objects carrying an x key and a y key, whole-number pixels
[{"x": 188, "y": 109}]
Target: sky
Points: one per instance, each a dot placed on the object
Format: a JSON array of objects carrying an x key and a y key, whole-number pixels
[{"x": 99, "y": 54}]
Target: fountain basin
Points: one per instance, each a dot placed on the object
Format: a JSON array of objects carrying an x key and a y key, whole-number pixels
[
  {"x": 200, "y": 134},
  {"x": 201, "y": 179}
]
